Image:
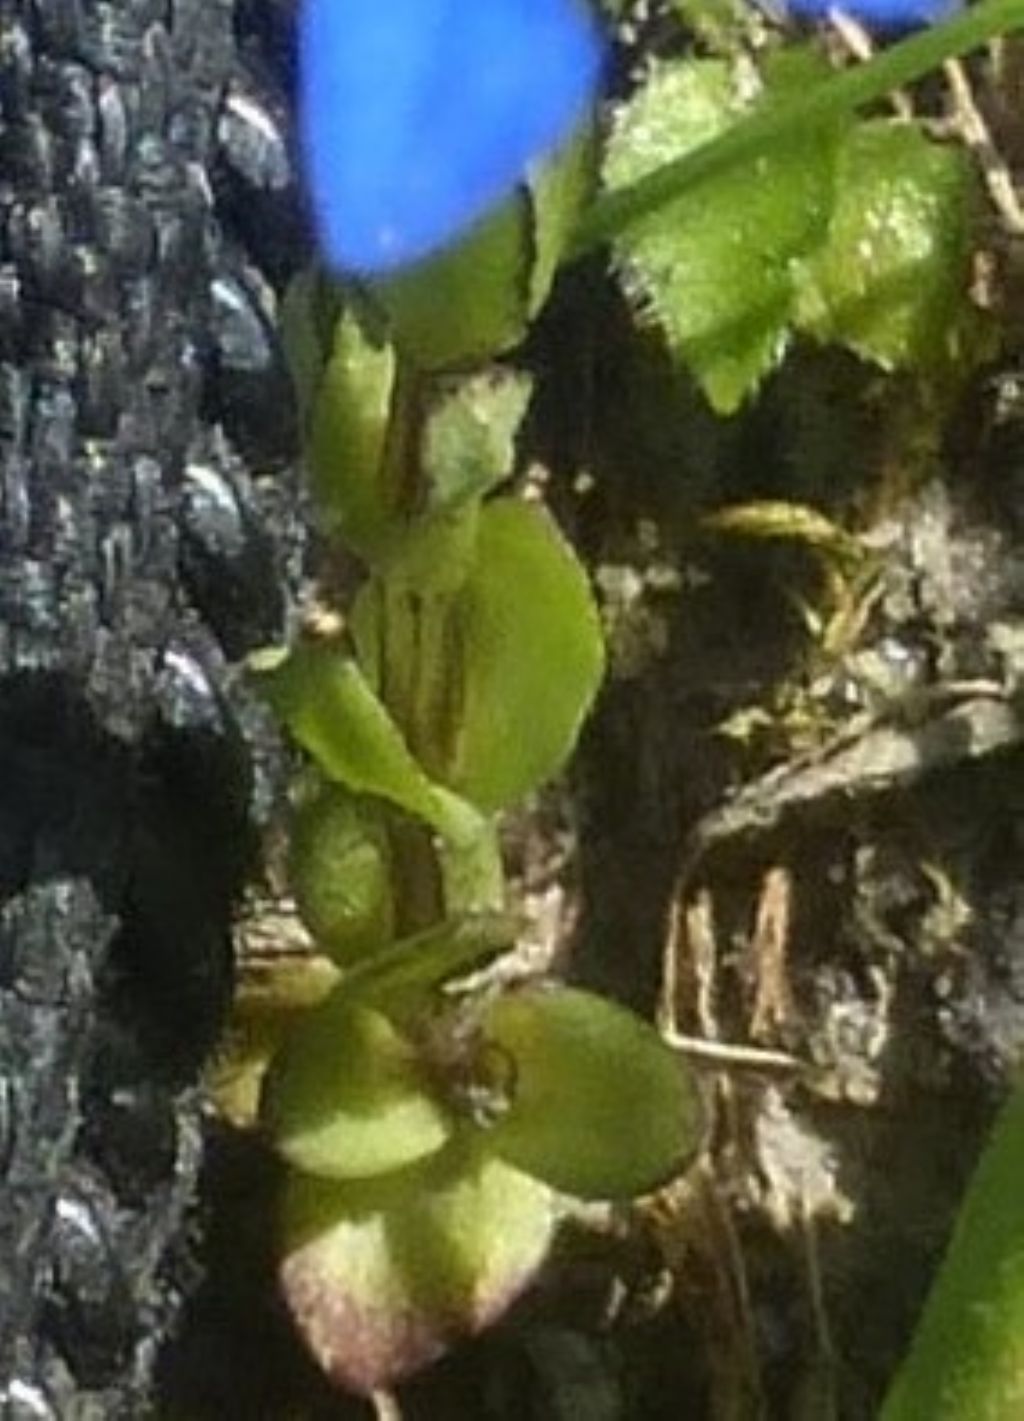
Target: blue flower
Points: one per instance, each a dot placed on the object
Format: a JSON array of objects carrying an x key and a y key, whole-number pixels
[
  {"x": 887, "y": 16},
  {"x": 416, "y": 116}
]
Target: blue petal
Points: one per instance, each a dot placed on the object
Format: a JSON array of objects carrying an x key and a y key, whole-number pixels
[
  {"x": 416, "y": 116},
  {"x": 883, "y": 15}
]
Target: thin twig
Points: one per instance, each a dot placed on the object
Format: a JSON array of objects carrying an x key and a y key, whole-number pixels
[
  {"x": 385, "y": 1406},
  {"x": 724, "y": 1053},
  {"x": 972, "y": 128}
]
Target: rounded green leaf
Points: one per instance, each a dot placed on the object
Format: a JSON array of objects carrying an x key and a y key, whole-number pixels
[
  {"x": 384, "y": 1277},
  {"x": 345, "y": 1098},
  {"x": 601, "y": 1107},
  {"x": 340, "y": 874},
  {"x": 532, "y": 656}
]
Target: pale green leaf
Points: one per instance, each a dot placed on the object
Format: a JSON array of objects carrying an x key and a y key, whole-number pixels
[
  {"x": 469, "y": 302},
  {"x": 891, "y": 282},
  {"x": 715, "y": 268},
  {"x": 348, "y": 438},
  {"x": 384, "y": 1277},
  {"x": 340, "y": 873},
  {"x": 345, "y": 1097},
  {"x": 323, "y": 698},
  {"x": 531, "y": 652},
  {"x": 601, "y": 1107},
  {"x": 470, "y": 435}
]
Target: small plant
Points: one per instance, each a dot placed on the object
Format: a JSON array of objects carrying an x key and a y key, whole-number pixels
[
  {"x": 429, "y": 1138},
  {"x": 431, "y": 1135}
]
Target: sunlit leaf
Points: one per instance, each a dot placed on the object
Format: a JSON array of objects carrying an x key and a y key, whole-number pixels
[
  {"x": 469, "y": 438},
  {"x": 384, "y": 1277},
  {"x": 521, "y": 648},
  {"x": 345, "y": 1097},
  {"x": 601, "y": 1107},
  {"x": 891, "y": 281},
  {"x": 716, "y": 268},
  {"x": 532, "y": 656},
  {"x": 345, "y": 455},
  {"x": 476, "y": 298},
  {"x": 468, "y": 302},
  {"x": 322, "y": 696},
  {"x": 339, "y": 873},
  {"x": 273, "y": 993}
]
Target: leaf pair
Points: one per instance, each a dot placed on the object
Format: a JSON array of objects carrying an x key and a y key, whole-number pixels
[
  {"x": 852, "y": 233},
  {"x": 408, "y": 1221},
  {"x": 526, "y": 657},
  {"x": 586, "y": 1096}
]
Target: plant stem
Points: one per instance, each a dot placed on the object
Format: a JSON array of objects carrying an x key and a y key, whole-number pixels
[{"x": 414, "y": 670}]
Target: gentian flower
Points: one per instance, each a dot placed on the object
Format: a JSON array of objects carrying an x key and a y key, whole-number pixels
[{"x": 418, "y": 116}]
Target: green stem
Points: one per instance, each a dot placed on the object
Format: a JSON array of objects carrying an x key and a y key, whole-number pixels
[
  {"x": 417, "y": 886},
  {"x": 401, "y": 468},
  {"x": 966, "y": 1362},
  {"x": 833, "y": 99}
]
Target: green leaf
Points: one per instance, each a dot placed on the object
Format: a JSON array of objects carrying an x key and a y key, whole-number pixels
[
  {"x": 309, "y": 310},
  {"x": 891, "y": 282},
  {"x": 602, "y": 1108},
  {"x": 345, "y": 1098},
  {"x": 401, "y": 626},
  {"x": 803, "y": 113},
  {"x": 519, "y": 646},
  {"x": 300, "y": 338},
  {"x": 966, "y": 1362},
  {"x": 323, "y": 698},
  {"x": 432, "y": 559},
  {"x": 559, "y": 187},
  {"x": 470, "y": 435},
  {"x": 469, "y": 302},
  {"x": 340, "y": 873},
  {"x": 473, "y": 873},
  {"x": 532, "y": 656},
  {"x": 716, "y": 269},
  {"x": 384, "y": 1277},
  {"x": 476, "y": 298},
  {"x": 348, "y": 440},
  {"x": 406, "y": 972}
]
